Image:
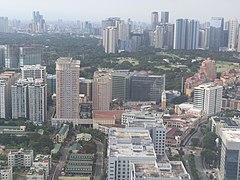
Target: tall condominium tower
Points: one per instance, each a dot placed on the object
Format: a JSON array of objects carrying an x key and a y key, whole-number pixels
[
  {"x": 208, "y": 98},
  {"x": 67, "y": 88},
  {"x": 233, "y": 34},
  {"x": 164, "y": 17},
  {"x": 3, "y": 24},
  {"x": 102, "y": 89},
  {"x": 110, "y": 38},
  {"x": 154, "y": 20}
]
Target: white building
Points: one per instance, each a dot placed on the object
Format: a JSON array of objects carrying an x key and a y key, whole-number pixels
[
  {"x": 208, "y": 98},
  {"x": 19, "y": 94},
  {"x": 34, "y": 71},
  {"x": 6, "y": 173},
  {"x": 3, "y": 98},
  {"x": 37, "y": 102},
  {"x": 230, "y": 154},
  {"x": 35, "y": 174},
  {"x": 110, "y": 35},
  {"x": 20, "y": 158},
  {"x": 233, "y": 34},
  {"x": 43, "y": 162}
]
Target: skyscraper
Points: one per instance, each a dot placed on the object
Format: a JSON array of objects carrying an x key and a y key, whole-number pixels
[
  {"x": 208, "y": 98},
  {"x": 30, "y": 55},
  {"x": 11, "y": 53},
  {"x": 110, "y": 39},
  {"x": 193, "y": 34},
  {"x": 164, "y": 36},
  {"x": 3, "y": 24},
  {"x": 102, "y": 89},
  {"x": 233, "y": 34},
  {"x": 34, "y": 71},
  {"x": 67, "y": 88},
  {"x": 164, "y": 17},
  {"x": 38, "y": 25},
  {"x": 159, "y": 35},
  {"x": 216, "y": 33},
  {"x": 154, "y": 20}
]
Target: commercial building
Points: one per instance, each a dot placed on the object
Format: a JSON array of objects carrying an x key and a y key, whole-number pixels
[
  {"x": 34, "y": 71},
  {"x": 102, "y": 89},
  {"x": 144, "y": 87},
  {"x": 67, "y": 88},
  {"x": 216, "y": 33},
  {"x": 30, "y": 55},
  {"x": 21, "y": 158},
  {"x": 229, "y": 158},
  {"x": 208, "y": 98},
  {"x": 6, "y": 173}
]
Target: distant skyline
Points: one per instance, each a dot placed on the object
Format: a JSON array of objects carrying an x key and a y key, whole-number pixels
[{"x": 137, "y": 10}]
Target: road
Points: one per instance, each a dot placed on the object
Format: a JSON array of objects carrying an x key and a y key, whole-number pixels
[{"x": 99, "y": 161}]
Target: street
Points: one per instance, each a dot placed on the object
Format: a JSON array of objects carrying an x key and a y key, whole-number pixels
[{"x": 99, "y": 161}]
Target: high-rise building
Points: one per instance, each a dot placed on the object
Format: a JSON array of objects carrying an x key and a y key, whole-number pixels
[
  {"x": 121, "y": 84},
  {"x": 209, "y": 69},
  {"x": 4, "y": 25},
  {"x": 186, "y": 34},
  {"x": 164, "y": 17},
  {"x": 159, "y": 35},
  {"x": 216, "y": 33},
  {"x": 51, "y": 84},
  {"x": 37, "y": 96},
  {"x": 144, "y": 87},
  {"x": 154, "y": 20},
  {"x": 110, "y": 39},
  {"x": 2, "y": 57},
  {"x": 34, "y": 71},
  {"x": 208, "y": 98},
  {"x": 7, "y": 79},
  {"x": 238, "y": 47},
  {"x": 20, "y": 158},
  {"x": 85, "y": 87},
  {"x": 20, "y": 105},
  {"x": 102, "y": 89},
  {"x": 229, "y": 158},
  {"x": 233, "y": 34},
  {"x": 67, "y": 88},
  {"x": 30, "y": 55},
  {"x": 11, "y": 53},
  {"x": 203, "y": 40},
  {"x": 38, "y": 24},
  {"x": 164, "y": 101}
]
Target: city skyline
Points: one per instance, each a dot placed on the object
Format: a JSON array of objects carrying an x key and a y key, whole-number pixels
[{"x": 72, "y": 10}]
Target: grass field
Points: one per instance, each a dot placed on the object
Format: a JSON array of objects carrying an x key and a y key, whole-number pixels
[
  {"x": 134, "y": 62},
  {"x": 224, "y": 65}
]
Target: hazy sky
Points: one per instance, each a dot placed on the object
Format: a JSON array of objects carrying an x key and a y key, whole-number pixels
[{"x": 137, "y": 10}]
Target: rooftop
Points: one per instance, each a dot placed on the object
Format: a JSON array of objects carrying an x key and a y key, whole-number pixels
[{"x": 64, "y": 129}]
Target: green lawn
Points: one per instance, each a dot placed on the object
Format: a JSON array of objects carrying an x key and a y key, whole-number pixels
[
  {"x": 224, "y": 65},
  {"x": 133, "y": 61}
]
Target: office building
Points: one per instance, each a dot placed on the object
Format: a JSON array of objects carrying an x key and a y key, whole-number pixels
[
  {"x": 2, "y": 57},
  {"x": 11, "y": 53},
  {"x": 203, "y": 42},
  {"x": 67, "y": 88},
  {"x": 216, "y": 33},
  {"x": 111, "y": 39},
  {"x": 38, "y": 24},
  {"x": 20, "y": 158},
  {"x": 154, "y": 20},
  {"x": 121, "y": 84},
  {"x": 4, "y": 25},
  {"x": 208, "y": 98},
  {"x": 85, "y": 87},
  {"x": 164, "y": 17},
  {"x": 144, "y": 87},
  {"x": 6, "y": 173},
  {"x": 102, "y": 89},
  {"x": 37, "y": 96},
  {"x": 233, "y": 34},
  {"x": 229, "y": 158},
  {"x": 34, "y": 71},
  {"x": 19, "y": 95},
  {"x": 7, "y": 79},
  {"x": 186, "y": 34},
  {"x": 30, "y": 55}
]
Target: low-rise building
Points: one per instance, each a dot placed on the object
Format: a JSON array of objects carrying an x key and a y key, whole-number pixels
[
  {"x": 62, "y": 134},
  {"x": 35, "y": 174},
  {"x": 21, "y": 158},
  {"x": 83, "y": 137},
  {"x": 43, "y": 162},
  {"x": 6, "y": 173}
]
